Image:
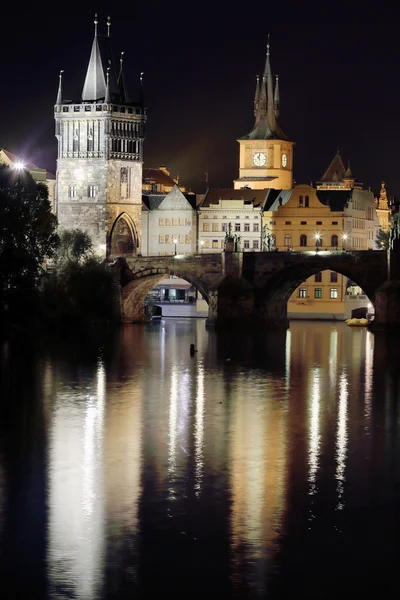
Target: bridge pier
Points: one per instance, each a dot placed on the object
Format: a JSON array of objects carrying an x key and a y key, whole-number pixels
[{"x": 387, "y": 306}]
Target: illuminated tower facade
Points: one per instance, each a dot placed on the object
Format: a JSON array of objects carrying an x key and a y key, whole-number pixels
[
  {"x": 266, "y": 153},
  {"x": 100, "y": 155},
  {"x": 383, "y": 209}
]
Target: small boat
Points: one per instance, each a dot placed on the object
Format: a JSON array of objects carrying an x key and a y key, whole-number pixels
[{"x": 357, "y": 322}]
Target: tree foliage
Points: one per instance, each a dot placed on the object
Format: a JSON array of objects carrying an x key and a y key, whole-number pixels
[
  {"x": 27, "y": 238},
  {"x": 81, "y": 289},
  {"x": 382, "y": 240}
]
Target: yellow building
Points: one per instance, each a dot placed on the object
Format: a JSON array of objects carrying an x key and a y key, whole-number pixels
[{"x": 266, "y": 153}]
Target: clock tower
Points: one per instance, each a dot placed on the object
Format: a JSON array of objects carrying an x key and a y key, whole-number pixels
[{"x": 266, "y": 153}]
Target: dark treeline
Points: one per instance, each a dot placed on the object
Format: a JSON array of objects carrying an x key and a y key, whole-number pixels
[{"x": 47, "y": 278}]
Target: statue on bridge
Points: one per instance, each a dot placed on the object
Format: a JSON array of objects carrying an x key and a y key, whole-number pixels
[
  {"x": 268, "y": 240},
  {"x": 394, "y": 232}
]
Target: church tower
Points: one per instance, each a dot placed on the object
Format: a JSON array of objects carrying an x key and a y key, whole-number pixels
[
  {"x": 266, "y": 154},
  {"x": 100, "y": 155},
  {"x": 383, "y": 209}
]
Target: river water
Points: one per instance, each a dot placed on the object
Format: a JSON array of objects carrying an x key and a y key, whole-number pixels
[{"x": 260, "y": 467}]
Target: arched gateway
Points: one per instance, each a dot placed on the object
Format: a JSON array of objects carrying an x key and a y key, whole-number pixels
[{"x": 245, "y": 289}]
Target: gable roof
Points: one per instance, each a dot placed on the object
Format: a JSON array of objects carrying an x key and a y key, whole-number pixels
[
  {"x": 157, "y": 176},
  {"x": 336, "y": 170}
]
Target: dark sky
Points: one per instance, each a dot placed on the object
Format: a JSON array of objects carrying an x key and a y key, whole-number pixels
[{"x": 339, "y": 82}]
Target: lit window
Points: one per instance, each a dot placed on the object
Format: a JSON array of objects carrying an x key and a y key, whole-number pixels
[
  {"x": 187, "y": 222},
  {"x": 206, "y": 226},
  {"x": 215, "y": 227},
  {"x": 167, "y": 239},
  {"x": 246, "y": 244},
  {"x": 256, "y": 245},
  {"x": 256, "y": 227},
  {"x": 303, "y": 293},
  {"x": 168, "y": 222},
  {"x": 318, "y": 293},
  {"x": 181, "y": 238},
  {"x": 92, "y": 191},
  {"x": 174, "y": 221},
  {"x": 288, "y": 240},
  {"x": 224, "y": 226},
  {"x": 72, "y": 191},
  {"x": 237, "y": 226},
  {"x": 161, "y": 222},
  {"x": 334, "y": 293},
  {"x": 222, "y": 243},
  {"x": 181, "y": 222},
  {"x": 205, "y": 245},
  {"x": 161, "y": 239},
  {"x": 215, "y": 243}
]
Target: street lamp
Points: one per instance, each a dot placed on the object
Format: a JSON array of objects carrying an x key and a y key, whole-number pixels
[
  {"x": 175, "y": 242},
  {"x": 344, "y": 237},
  {"x": 201, "y": 245},
  {"x": 317, "y": 239},
  {"x": 19, "y": 166}
]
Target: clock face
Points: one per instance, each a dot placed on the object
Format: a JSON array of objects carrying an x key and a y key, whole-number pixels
[
  {"x": 260, "y": 159},
  {"x": 284, "y": 160}
]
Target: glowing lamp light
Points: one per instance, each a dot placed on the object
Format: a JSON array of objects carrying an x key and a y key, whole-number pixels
[
  {"x": 19, "y": 166},
  {"x": 345, "y": 236}
]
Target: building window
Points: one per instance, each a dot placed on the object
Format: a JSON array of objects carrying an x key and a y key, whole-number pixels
[
  {"x": 334, "y": 241},
  {"x": 247, "y": 226},
  {"x": 222, "y": 243},
  {"x": 335, "y": 223},
  {"x": 161, "y": 239},
  {"x": 167, "y": 238},
  {"x": 188, "y": 239},
  {"x": 303, "y": 293},
  {"x": 300, "y": 201},
  {"x": 334, "y": 293},
  {"x": 246, "y": 244},
  {"x": 188, "y": 222},
  {"x": 318, "y": 293},
  {"x": 206, "y": 226},
  {"x": 319, "y": 223},
  {"x": 333, "y": 277},
  {"x": 303, "y": 240},
  {"x": 307, "y": 202},
  {"x": 256, "y": 227},
  {"x": 205, "y": 245},
  {"x": 318, "y": 277},
  {"x": 90, "y": 142},
  {"x": 181, "y": 221},
  {"x": 161, "y": 222},
  {"x": 168, "y": 222},
  {"x": 318, "y": 242},
  {"x": 72, "y": 191},
  {"x": 256, "y": 245},
  {"x": 75, "y": 142},
  {"x": 92, "y": 191},
  {"x": 288, "y": 240},
  {"x": 174, "y": 222},
  {"x": 224, "y": 226},
  {"x": 181, "y": 238},
  {"x": 215, "y": 243},
  {"x": 215, "y": 227},
  {"x": 288, "y": 222},
  {"x": 303, "y": 222},
  {"x": 237, "y": 226},
  {"x": 124, "y": 182}
]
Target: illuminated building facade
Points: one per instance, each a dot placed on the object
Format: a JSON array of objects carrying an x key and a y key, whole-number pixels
[
  {"x": 100, "y": 155},
  {"x": 382, "y": 208}
]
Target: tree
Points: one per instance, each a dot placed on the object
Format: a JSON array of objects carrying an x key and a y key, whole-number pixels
[
  {"x": 27, "y": 238},
  {"x": 382, "y": 240},
  {"x": 81, "y": 289}
]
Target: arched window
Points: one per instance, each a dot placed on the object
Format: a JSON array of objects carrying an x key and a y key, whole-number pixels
[
  {"x": 307, "y": 202},
  {"x": 300, "y": 200},
  {"x": 303, "y": 240},
  {"x": 334, "y": 241},
  {"x": 288, "y": 240}
]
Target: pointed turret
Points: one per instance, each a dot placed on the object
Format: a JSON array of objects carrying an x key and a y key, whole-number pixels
[
  {"x": 123, "y": 92},
  {"x": 59, "y": 93},
  {"x": 141, "y": 97},
  {"x": 257, "y": 97},
  {"x": 276, "y": 97},
  {"x": 107, "y": 97},
  {"x": 266, "y": 110},
  {"x": 348, "y": 174}
]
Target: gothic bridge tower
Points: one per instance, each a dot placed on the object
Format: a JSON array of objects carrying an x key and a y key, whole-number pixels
[
  {"x": 100, "y": 155},
  {"x": 266, "y": 153}
]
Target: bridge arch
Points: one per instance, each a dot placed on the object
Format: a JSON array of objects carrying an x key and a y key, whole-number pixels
[{"x": 134, "y": 292}]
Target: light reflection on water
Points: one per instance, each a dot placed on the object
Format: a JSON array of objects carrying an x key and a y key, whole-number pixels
[{"x": 158, "y": 472}]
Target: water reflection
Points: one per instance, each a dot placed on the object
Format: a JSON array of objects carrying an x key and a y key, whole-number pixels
[{"x": 259, "y": 466}]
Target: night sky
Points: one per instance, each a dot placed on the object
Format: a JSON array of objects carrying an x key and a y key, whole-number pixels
[{"x": 339, "y": 83}]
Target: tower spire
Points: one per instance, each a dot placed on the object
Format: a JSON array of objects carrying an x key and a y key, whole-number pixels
[
  {"x": 95, "y": 84},
  {"x": 95, "y": 24},
  {"x": 141, "y": 99},
  {"x": 270, "y": 90},
  {"x": 257, "y": 97},
  {"x": 108, "y": 26},
  {"x": 107, "y": 97},
  {"x": 59, "y": 93},
  {"x": 123, "y": 92},
  {"x": 276, "y": 97}
]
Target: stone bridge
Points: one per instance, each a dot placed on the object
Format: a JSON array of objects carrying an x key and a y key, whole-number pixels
[{"x": 250, "y": 288}]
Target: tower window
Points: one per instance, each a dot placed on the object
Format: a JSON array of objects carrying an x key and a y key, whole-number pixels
[
  {"x": 307, "y": 202},
  {"x": 90, "y": 141},
  {"x": 77, "y": 108},
  {"x": 124, "y": 175},
  {"x": 75, "y": 142},
  {"x": 98, "y": 108},
  {"x": 87, "y": 108},
  {"x": 65, "y": 108},
  {"x": 72, "y": 191},
  {"x": 92, "y": 191}
]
